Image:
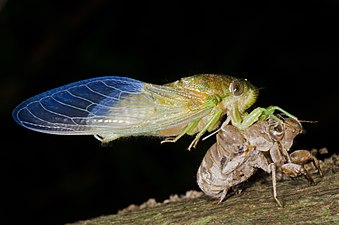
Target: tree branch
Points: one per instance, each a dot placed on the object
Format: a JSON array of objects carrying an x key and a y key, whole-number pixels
[{"x": 303, "y": 204}]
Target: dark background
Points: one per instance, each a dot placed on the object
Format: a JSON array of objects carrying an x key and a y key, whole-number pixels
[{"x": 290, "y": 51}]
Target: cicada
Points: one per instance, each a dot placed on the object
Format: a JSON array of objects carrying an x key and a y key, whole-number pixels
[
  {"x": 237, "y": 155},
  {"x": 111, "y": 107}
]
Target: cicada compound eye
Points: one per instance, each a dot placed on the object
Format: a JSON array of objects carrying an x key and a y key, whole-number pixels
[
  {"x": 277, "y": 131},
  {"x": 236, "y": 87}
]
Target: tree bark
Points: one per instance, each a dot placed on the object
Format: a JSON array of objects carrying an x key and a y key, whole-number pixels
[{"x": 303, "y": 204}]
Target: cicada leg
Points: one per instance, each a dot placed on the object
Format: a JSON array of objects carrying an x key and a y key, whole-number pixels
[
  {"x": 270, "y": 168},
  {"x": 189, "y": 128},
  {"x": 271, "y": 109},
  {"x": 211, "y": 123},
  {"x": 261, "y": 114},
  {"x": 274, "y": 183},
  {"x": 294, "y": 170},
  {"x": 302, "y": 157}
]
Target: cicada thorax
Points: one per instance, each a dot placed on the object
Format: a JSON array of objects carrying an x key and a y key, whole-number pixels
[
  {"x": 209, "y": 91},
  {"x": 210, "y": 84},
  {"x": 211, "y": 97}
]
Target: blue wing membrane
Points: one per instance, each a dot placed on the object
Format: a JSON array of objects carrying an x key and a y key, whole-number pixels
[
  {"x": 111, "y": 107},
  {"x": 67, "y": 109}
]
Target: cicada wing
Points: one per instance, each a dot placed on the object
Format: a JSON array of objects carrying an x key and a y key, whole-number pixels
[
  {"x": 70, "y": 108},
  {"x": 117, "y": 105}
]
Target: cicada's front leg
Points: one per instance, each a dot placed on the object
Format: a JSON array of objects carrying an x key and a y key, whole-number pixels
[
  {"x": 246, "y": 120},
  {"x": 302, "y": 157},
  {"x": 295, "y": 170},
  {"x": 297, "y": 165}
]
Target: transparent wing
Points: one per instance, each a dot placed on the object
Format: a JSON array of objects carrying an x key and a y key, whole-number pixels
[{"x": 110, "y": 105}]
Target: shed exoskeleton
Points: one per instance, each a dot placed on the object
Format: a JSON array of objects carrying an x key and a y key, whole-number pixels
[{"x": 237, "y": 154}]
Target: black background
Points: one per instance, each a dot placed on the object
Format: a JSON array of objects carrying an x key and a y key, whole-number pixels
[{"x": 290, "y": 51}]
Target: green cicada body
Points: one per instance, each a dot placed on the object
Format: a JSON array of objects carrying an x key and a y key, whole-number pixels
[{"x": 111, "y": 107}]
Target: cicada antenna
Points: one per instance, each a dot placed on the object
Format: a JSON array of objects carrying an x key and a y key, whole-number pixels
[{"x": 308, "y": 121}]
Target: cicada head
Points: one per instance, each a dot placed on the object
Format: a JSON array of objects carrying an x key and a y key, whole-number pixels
[
  {"x": 241, "y": 93},
  {"x": 293, "y": 128}
]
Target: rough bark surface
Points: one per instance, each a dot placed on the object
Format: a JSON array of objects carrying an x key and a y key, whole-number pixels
[{"x": 303, "y": 204}]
